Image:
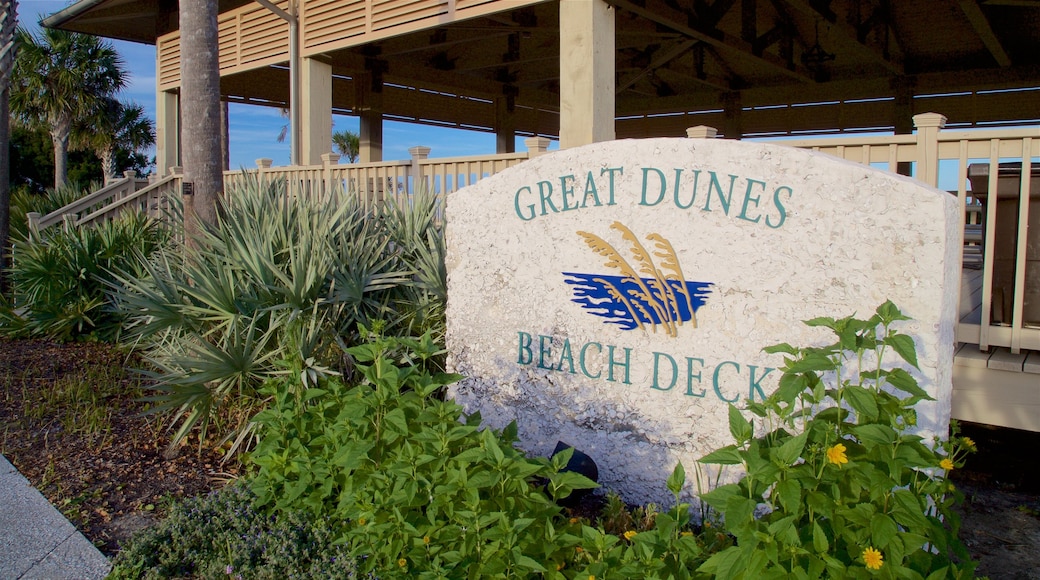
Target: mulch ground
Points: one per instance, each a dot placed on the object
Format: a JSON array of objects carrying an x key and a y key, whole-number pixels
[
  {"x": 110, "y": 478},
  {"x": 107, "y": 474}
]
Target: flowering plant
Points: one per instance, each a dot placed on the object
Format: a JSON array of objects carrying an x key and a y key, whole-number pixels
[{"x": 847, "y": 489}]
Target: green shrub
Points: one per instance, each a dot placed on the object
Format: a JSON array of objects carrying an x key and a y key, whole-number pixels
[
  {"x": 24, "y": 201},
  {"x": 849, "y": 491},
  {"x": 223, "y": 535},
  {"x": 62, "y": 280},
  {"x": 277, "y": 279},
  {"x": 415, "y": 491}
]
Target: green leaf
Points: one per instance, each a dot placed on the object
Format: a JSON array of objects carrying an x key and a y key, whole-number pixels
[
  {"x": 677, "y": 479},
  {"x": 783, "y": 348},
  {"x": 904, "y": 346},
  {"x": 728, "y": 455},
  {"x": 889, "y": 313},
  {"x": 791, "y": 449},
  {"x": 905, "y": 382},
  {"x": 882, "y": 529},
  {"x": 739, "y": 427},
  {"x": 819, "y": 537},
  {"x": 810, "y": 363},
  {"x": 863, "y": 401},
  {"x": 876, "y": 434}
]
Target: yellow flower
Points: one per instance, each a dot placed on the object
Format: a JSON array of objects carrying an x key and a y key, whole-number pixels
[
  {"x": 836, "y": 455},
  {"x": 592, "y": 577},
  {"x": 946, "y": 464},
  {"x": 426, "y": 539},
  {"x": 686, "y": 534},
  {"x": 402, "y": 562},
  {"x": 872, "y": 558},
  {"x": 707, "y": 524},
  {"x": 629, "y": 534},
  {"x": 968, "y": 443},
  {"x": 574, "y": 520},
  {"x": 361, "y": 521}
]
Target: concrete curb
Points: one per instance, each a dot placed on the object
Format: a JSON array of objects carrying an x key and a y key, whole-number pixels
[{"x": 36, "y": 541}]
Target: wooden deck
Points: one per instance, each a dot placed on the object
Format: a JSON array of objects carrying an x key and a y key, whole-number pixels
[{"x": 995, "y": 387}]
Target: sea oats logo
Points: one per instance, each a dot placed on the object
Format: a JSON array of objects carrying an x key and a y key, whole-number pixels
[{"x": 644, "y": 295}]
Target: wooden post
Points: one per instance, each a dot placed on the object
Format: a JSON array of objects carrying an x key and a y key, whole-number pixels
[
  {"x": 418, "y": 180},
  {"x": 328, "y": 161},
  {"x": 702, "y": 132},
  {"x": 928, "y": 127},
  {"x": 536, "y": 146}
]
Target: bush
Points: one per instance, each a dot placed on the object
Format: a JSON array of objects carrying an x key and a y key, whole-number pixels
[
  {"x": 277, "y": 279},
  {"x": 223, "y": 535},
  {"x": 62, "y": 281},
  {"x": 848, "y": 491}
]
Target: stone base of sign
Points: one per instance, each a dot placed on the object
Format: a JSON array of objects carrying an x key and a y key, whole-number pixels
[{"x": 618, "y": 295}]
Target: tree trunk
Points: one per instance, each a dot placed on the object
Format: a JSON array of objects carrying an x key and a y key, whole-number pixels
[
  {"x": 60, "y": 139},
  {"x": 9, "y": 15},
  {"x": 5, "y": 187},
  {"x": 200, "y": 109},
  {"x": 108, "y": 163}
]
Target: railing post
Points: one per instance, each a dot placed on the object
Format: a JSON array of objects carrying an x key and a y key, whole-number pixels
[
  {"x": 418, "y": 153},
  {"x": 33, "y": 218},
  {"x": 702, "y": 132},
  {"x": 536, "y": 146},
  {"x": 328, "y": 161},
  {"x": 928, "y": 126}
]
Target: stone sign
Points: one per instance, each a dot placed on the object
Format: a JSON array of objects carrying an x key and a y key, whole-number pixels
[{"x": 617, "y": 296}]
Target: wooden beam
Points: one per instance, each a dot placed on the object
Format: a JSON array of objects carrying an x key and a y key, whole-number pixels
[
  {"x": 729, "y": 44},
  {"x": 676, "y": 51},
  {"x": 981, "y": 25},
  {"x": 893, "y": 63}
]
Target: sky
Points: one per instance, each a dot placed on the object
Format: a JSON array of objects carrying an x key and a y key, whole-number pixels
[{"x": 254, "y": 129}]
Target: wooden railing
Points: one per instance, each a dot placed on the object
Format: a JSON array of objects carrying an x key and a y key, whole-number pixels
[
  {"x": 126, "y": 194},
  {"x": 375, "y": 182},
  {"x": 1003, "y": 228}
]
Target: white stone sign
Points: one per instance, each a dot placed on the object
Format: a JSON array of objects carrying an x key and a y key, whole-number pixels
[{"x": 617, "y": 296}]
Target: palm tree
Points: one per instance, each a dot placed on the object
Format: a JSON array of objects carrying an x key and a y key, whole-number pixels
[
  {"x": 8, "y": 25},
  {"x": 115, "y": 125},
  {"x": 200, "y": 110},
  {"x": 348, "y": 143},
  {"x": 58, "y": 78}
]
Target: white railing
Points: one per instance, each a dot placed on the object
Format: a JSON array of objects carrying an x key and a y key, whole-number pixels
[
  {"x": 1004, "y": 229},
  {"x": 125, "y": 194}
]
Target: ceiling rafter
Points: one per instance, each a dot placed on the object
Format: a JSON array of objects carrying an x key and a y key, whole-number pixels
[
  {"x": 852, "y": 34},
  {"x": 676, "y": 51},
  {"x": 732, "y": 46},
  {"x": 980, "y": 23}
]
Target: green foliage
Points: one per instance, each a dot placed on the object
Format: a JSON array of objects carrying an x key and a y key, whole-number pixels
[
  {"x": 32, "y": 163},
  {"x": 407, "y": 484},
  {"x": 223, "y": 535},
  {"x": 848, "y": 491},
  {"x": 62, "y": 280},
  {"x": 414, "y": 490},
  {"x": 280, "y": 279}
]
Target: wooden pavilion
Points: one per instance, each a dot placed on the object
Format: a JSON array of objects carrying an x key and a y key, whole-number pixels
[{"x": 583, "y": 71}]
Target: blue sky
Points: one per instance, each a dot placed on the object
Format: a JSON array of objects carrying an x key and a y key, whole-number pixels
[{"x": 254, "y": 130}]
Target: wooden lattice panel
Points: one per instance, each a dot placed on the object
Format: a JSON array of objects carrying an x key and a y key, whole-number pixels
[
  {"x": 332, "y": 20},
  {"x": 227, "y": 32},
  {"x": 168, "y": 51},
  {"x": 390, "y": 13},
  {"x": 263, "y": 36}
]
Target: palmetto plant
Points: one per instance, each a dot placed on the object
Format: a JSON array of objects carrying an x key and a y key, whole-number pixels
[
  {"x": 62, "y": 280},
  {"x": 278, "y": 286}
]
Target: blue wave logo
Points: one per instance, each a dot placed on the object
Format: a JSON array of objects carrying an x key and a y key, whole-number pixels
[
  {"x": 648, "y": 293},
  {"x": 604, "y": 296}
]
